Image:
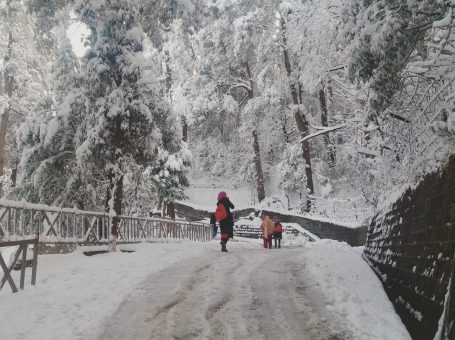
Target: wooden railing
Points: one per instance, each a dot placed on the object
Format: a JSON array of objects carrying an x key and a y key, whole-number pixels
[
  {"x": 20, "y": 220},
  {"x": 22, "y": 249}
]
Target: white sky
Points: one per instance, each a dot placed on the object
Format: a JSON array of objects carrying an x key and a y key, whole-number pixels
[{"x": 77, "y": 33}]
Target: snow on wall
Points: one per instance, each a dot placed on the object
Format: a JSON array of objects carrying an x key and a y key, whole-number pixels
[{"x": 411, "y": 246}]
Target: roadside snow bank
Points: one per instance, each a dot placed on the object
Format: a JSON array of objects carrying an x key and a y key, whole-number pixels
[
  {"x": 75, "y": 293},
  {"x": 352, "y": 291}
]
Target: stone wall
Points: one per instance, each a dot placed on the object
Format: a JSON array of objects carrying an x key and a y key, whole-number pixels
[
  {"x": 411, "y": 247},
  {"x": 353, "y": 236}
]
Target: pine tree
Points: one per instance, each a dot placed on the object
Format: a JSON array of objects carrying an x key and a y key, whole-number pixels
[
  {"x": 105, "y": 122},
  {"x": 127, "y": 125}
]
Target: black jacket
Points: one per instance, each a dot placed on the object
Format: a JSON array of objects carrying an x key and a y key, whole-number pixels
[{"x": 227, "y": 225}]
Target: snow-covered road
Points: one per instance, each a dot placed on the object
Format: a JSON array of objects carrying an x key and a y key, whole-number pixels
[
  {"x": 320, "y": 290},
  {"x": 248, "y": 294}
]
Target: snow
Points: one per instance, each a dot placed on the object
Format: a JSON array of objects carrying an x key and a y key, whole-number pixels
[
  {"x": 78, "y": 296},
  {"x": 352, "y": 290},
  {"x": 211, "y": 58},
  {"x": 446, "y": 21},
  {"x": 74, "y": 292},
  {"x": 368, "y": 152},
  {"x": 77, "y": 33},
  {"x": 8, "y": 255}
]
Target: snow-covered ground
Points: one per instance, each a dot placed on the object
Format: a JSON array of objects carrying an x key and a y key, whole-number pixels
[
  {"x": 352, "y": 291},
  {"x": 320, "y": 290},
  {"x": 75, "y": 293}
]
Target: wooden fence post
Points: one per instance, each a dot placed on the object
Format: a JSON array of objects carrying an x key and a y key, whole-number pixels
[
  {"x": 23, "y": 264},
  {"x": 35, "y": 260}
]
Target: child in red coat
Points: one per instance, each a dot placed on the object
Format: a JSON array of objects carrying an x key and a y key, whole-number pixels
[{"x": 278, "y": 232}]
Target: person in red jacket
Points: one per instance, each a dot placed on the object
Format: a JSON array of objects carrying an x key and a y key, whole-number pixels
[
  {"x": 225, "y": 218},
  {"x": 278, "y": 232}
]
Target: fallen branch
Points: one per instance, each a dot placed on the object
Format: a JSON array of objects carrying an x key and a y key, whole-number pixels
[
  {"x": 322, "y": 131},
  {"x": 336, "y": 68},
  {"x": 403, "y": 119},
  {"x": 369, "y": 153}
]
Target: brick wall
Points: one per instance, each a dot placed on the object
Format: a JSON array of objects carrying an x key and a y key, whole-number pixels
[
  {"x": 353, "y": 236},
  {"x": 411, "y": 247}
]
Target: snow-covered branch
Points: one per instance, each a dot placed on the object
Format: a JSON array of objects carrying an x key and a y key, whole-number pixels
[{"x": 322, "y": 130}]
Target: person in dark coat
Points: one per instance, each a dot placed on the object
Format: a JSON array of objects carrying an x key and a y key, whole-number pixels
[{"x": 226, "y": 224}]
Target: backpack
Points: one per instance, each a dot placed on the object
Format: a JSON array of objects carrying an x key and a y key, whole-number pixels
[
  {"x": 220, "y": 213},
  {"x": 278, "y": 228}
]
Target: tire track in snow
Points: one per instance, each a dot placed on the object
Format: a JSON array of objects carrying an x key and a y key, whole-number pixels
[
  {"x": 165, "y": 324},
  {"x": 224, "y": 287},
  {"x": 182, "y": 293},
  {"x": 245, "y": 294}
]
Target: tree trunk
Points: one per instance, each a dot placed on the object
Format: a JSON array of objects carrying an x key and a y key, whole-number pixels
[
  {"x": 330, "y": 91},
  {"x": 168, "y": 74},
  {"x": 324, "y": 122},
  {"x": 14, "y": 171},
  {"x": 115, "y": 178},
  {"x": 169, "y": 206},
  {"x": 8, "y": 90},
  {"x": 284, "y": 121},
  {"x": 302, "y": 125},
  {"x": 184, "y": 130},
  {"x": 300, "y": 118},
  {"x": 258, "y": 165},
  {"x": 117, "y": 191},
  {"x": 14, "y": 177},
  {"x": 257, "y": 154},
  {"x": 287, "y": 65},
  {"x": 170, "y": 210},
  {"x": 250, "y": 80}
]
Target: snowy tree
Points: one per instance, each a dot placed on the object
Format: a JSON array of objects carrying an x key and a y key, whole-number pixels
[
  {"x": 48, "y": 138},
  {"x": 126, "y": 122},
  {"x": 23, "y": 79},
  {"x": 107, "y": 128},
  {"x": 401, "y": 54},
  {"x": 169, "y": 175}
]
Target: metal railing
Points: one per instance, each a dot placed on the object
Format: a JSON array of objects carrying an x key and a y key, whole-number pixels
[{"x": 20, "y": 220}]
